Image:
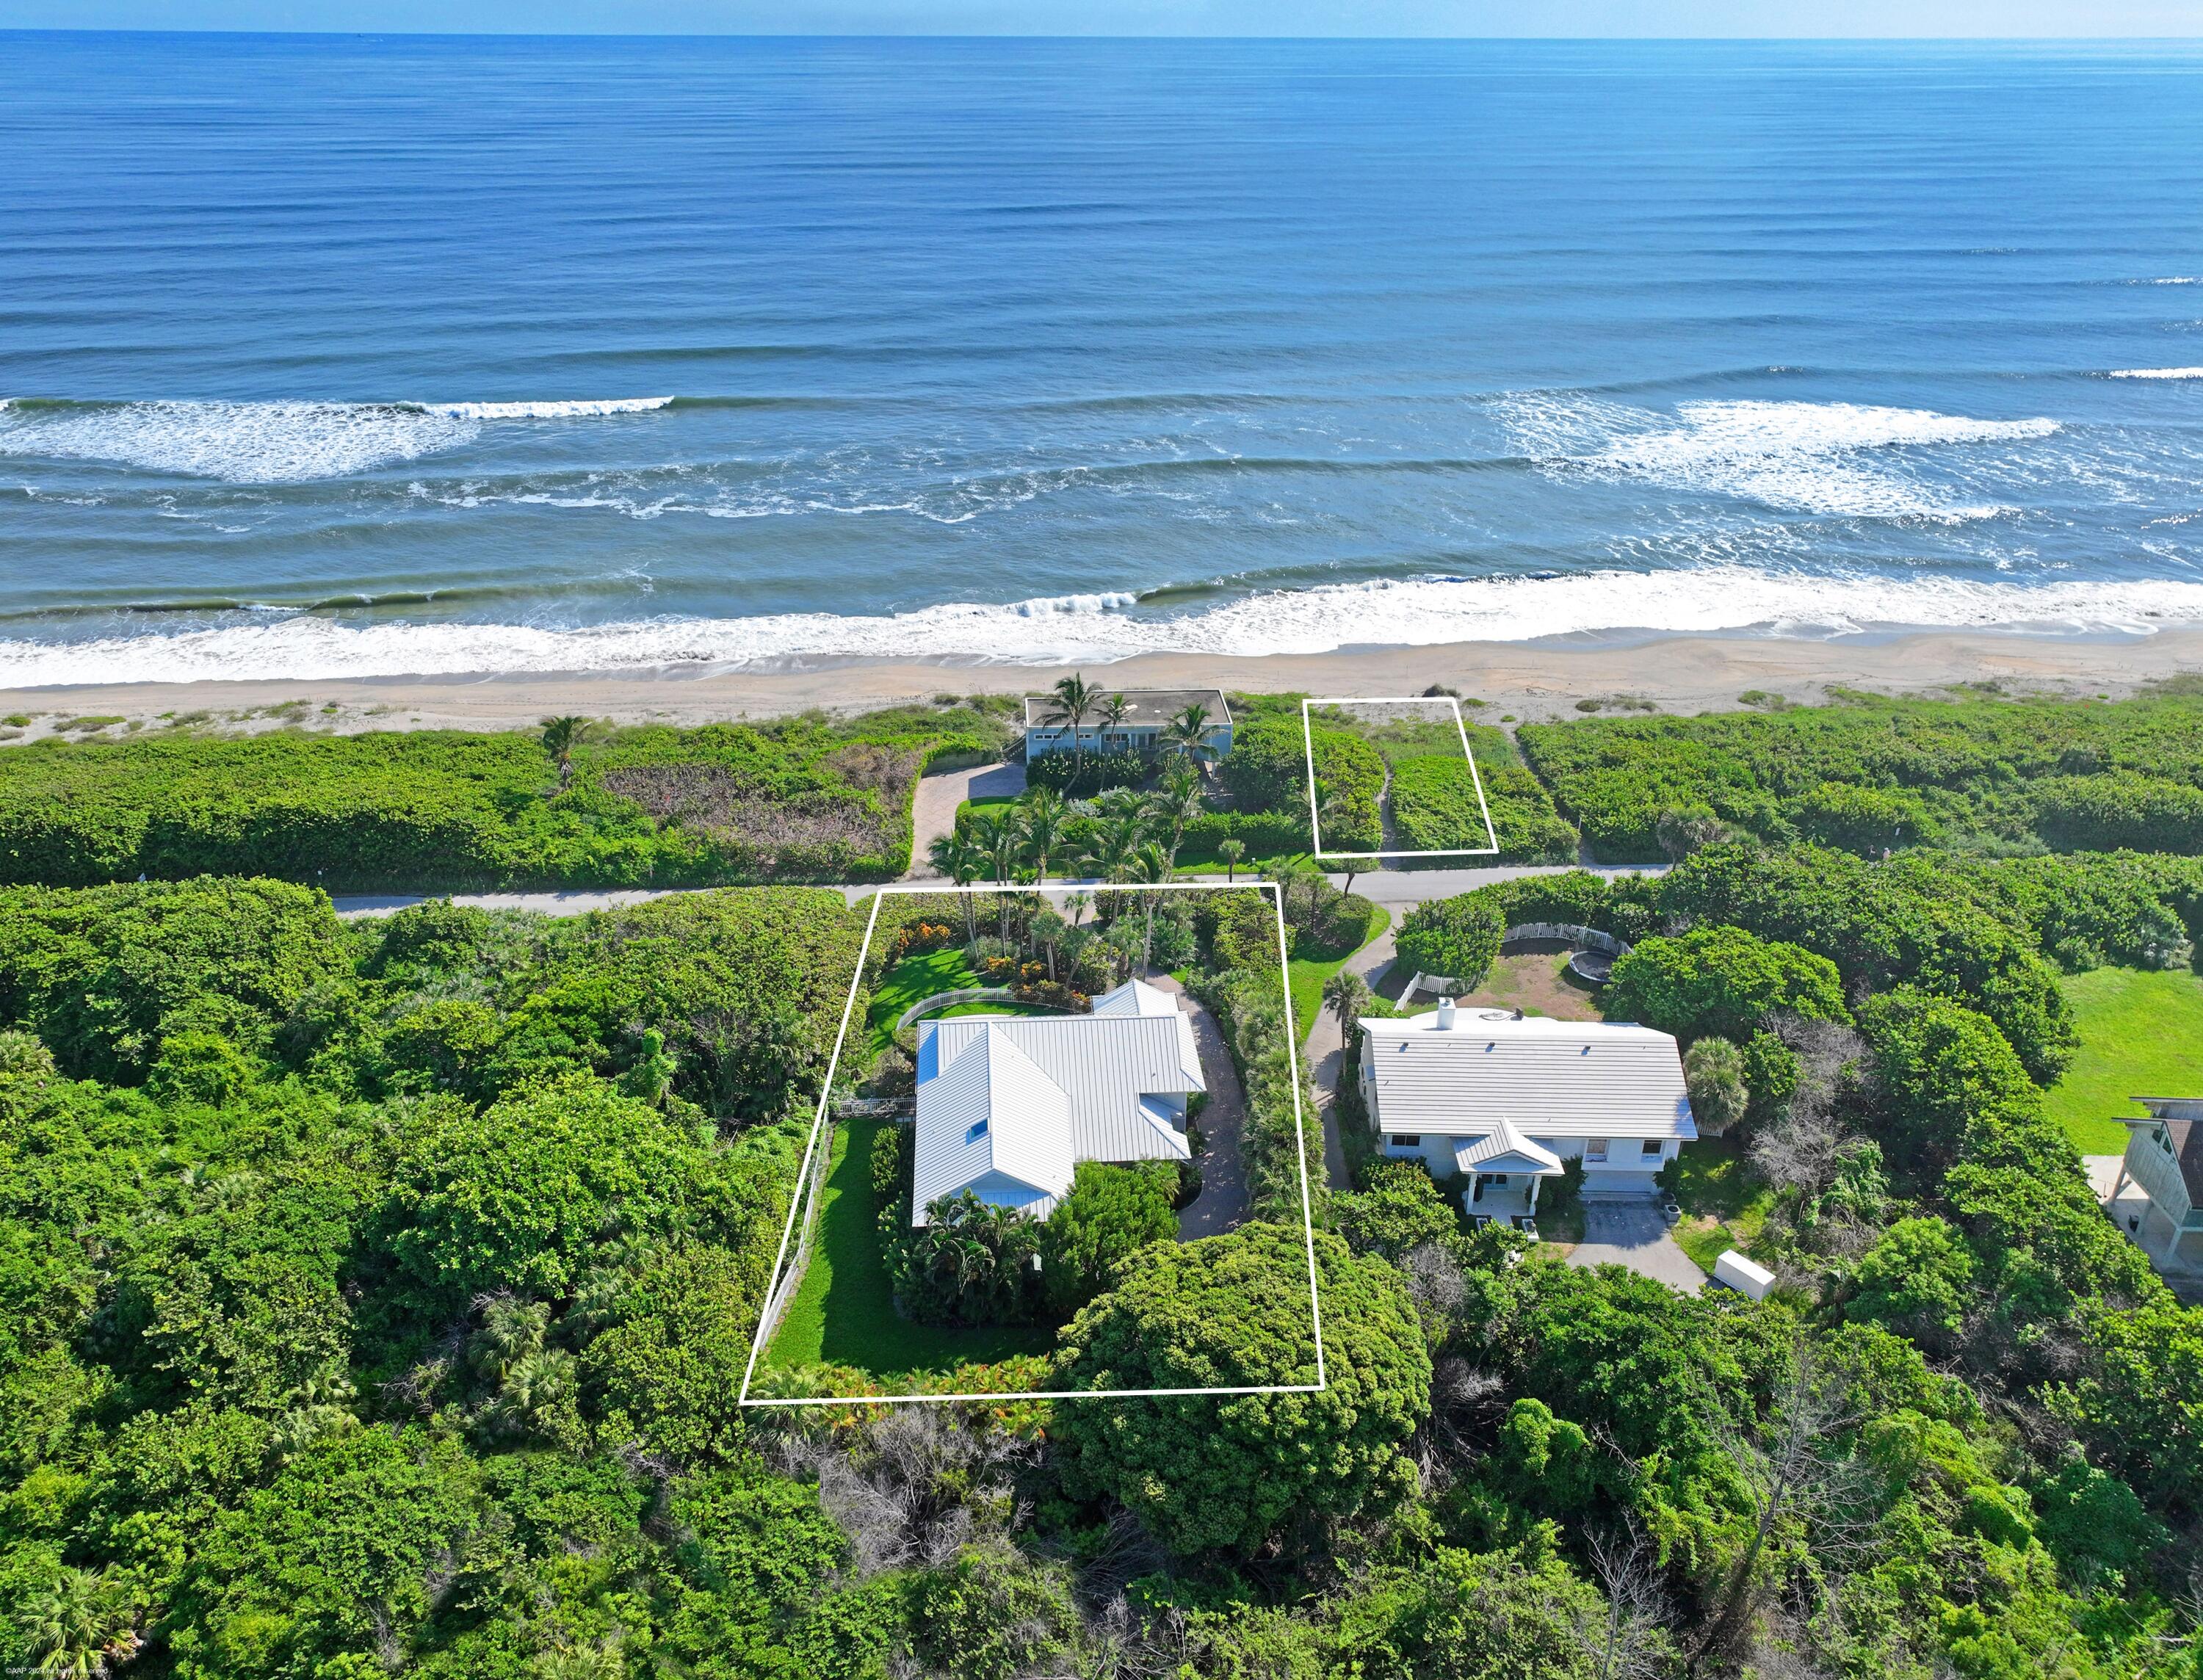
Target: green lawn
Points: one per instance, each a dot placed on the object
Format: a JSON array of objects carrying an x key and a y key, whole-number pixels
[
  {"x": 1724, "y": 1203},
  {"x": 844, "y": 1313},
  {"x": 2141, "y": 1034},
  {"x": 912, "y": 981},
  {"x": 1311, "y": 965}
]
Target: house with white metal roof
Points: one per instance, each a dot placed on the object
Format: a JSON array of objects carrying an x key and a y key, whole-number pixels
[
  {"x": 2163, "y": 1160},
  {"x": 1008, "y": 1105},
  {"x": 1507, "y": 1100}
]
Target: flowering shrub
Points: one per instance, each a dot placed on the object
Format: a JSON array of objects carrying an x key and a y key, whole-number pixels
[{"x": 920, "y": 938}]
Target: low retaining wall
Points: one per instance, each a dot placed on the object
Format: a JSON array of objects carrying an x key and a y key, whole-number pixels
[
  {"x": 1590, "y": 938},
  {"x": 970, "y": 995}
]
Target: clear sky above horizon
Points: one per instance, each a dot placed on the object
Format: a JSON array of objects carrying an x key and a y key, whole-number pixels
[{"x": 1807, "y": 18}]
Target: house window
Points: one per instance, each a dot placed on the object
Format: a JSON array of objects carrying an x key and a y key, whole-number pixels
[
  {"x": 1651, "y": 1147},
  {"x": 1594, "y": 1149},
  {"x": 1407, "y": 1140},
  {"x": 977, "y": 1130},
  {"x": 1495, "y": 1178}
]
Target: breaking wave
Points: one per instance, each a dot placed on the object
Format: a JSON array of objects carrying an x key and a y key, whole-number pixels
[
  {"x": 2157, "y": 373},
  {"x": 1100, "y": 628},
  {"x": 1842, "y": 459},
  {"x": 267, "y": 443}
]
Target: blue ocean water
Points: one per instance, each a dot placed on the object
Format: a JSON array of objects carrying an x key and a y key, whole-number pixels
[{"x": 344, "y": 355}]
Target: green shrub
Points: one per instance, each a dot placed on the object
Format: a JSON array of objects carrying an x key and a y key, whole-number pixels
[
  {"x": 650, "y": 805},
  {"x": 1722, "y": 981},
  {"x": 1458, "y": 938},
  {"x": 1111, "y": 1212},
  {"x": 1869, "y": 773}
]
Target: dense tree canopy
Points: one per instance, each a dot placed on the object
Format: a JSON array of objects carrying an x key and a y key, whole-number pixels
[{"x": 1207, "y": 1471}]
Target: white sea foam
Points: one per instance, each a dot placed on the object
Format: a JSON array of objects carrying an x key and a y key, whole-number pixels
[
  {"x": 572, "y": 410},
  {"x": 270, "y": 442},
  {"x": 245, "y": 442},
  {"x": 1817, "y": 457},
  {"x": 1096, "y": 629},
  {"x": 2157, "y": 373}
]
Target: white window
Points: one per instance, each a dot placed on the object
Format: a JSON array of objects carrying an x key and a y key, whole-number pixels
[
  {"x": 1652, "y": 1147},
  {"x": 1594, "y": 1149}
]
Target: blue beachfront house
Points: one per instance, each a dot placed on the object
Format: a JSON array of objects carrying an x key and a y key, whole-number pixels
[{"x": 1147, "y": 713}]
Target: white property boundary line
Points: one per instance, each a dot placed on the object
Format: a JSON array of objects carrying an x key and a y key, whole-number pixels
[
  {"x": 825, "y": 1101},
  {"x": 1308, "y": 742}
]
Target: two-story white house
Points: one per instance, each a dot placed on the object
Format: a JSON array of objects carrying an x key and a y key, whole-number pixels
[
  {"x": 1008, "y": 1105},
  {"x": 1146, "y": 713},
  {"x": 2164, "y": 1161},
  {"x": 1507, "y": 1100}
]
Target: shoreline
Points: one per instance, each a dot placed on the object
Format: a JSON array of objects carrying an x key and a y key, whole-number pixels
[{"x": 1534, "y": 681}]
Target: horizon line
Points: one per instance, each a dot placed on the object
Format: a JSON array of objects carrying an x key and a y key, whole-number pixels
[{"x": 1018, "y": 35}]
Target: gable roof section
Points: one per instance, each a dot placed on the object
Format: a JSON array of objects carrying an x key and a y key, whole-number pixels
[
  {"x": 988, "y": 1109},
  {"x": 1504, "y": 1149},
  {"x": 1102, "y": 1063},
  {"x": 1570, "y": 1079}
]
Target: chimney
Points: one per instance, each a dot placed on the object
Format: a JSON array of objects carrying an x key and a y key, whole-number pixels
[{"x": 1445, "y": 1015}]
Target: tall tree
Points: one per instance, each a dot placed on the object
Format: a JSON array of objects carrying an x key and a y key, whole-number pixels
[
  {"x": 1072, "y": 701},
  {"x": 561, "y": 735},
  {"x": 1186, "y": 735},
  {"x": 1176, "y": 803},
  {"x": 955, "y": 857},
  {"x": 1040, "y": 816},
  {"x": 1232, "y": 851},
  {"x": 1346, "y": 992}
]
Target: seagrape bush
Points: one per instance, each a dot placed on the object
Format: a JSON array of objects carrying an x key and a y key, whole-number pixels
[
  {"x": 797, "y": 798},
  {"x": 1869, "y": 773}
]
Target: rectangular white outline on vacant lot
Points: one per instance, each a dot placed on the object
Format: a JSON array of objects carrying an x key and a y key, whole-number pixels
[
  {"x": 1308, "y": 742},
  {"x": 826, "y": 1098}
]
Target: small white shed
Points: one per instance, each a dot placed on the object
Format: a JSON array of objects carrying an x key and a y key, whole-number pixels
[{"x": 1746, "y": 1277}]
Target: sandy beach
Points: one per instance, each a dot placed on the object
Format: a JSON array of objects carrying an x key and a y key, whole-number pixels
[{"x": 1529, "y": 681}]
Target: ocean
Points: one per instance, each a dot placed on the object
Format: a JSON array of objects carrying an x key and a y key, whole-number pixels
[{"x": 345, "y": 356}]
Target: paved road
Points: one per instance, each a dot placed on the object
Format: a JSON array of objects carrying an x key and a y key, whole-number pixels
[
  {"x": 1223, "y": 1201},
  {"x": 1410, "y": 887},
  {"x": 1634, "y": 1234}
]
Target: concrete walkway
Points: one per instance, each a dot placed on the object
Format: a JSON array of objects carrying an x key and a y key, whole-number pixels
[
  {"x": 933, "y": 809},
  {"x": 1325, "y": 1048},
  {"x": 1633, "y": 1234},
  {"x": 1223, "y": 1201}
]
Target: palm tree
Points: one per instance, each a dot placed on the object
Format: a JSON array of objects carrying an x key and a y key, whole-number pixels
[
  {"x": 1346, "y": 992},
  {"x": 1187, "y": 735},
  {"x": 995, "y": 836},
  {"x": 561, "y": 735},
  {"x": 955, "y": 857},
  {"x": 1048, "y": 930},
  {"x": 1150, "y": 865},
  {"x": 1073, "y": 702},
  {"x": 1176, "y": 802},
  {"x": 1231, "y": 852},
  {"x": 1116, "y": 840},
  {"x": 79, "y": 1626},
  {"x": 1113, "y": 712},
  {"x": 1076, "y": 904},
  {"x": 1041, "y": 818}
]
